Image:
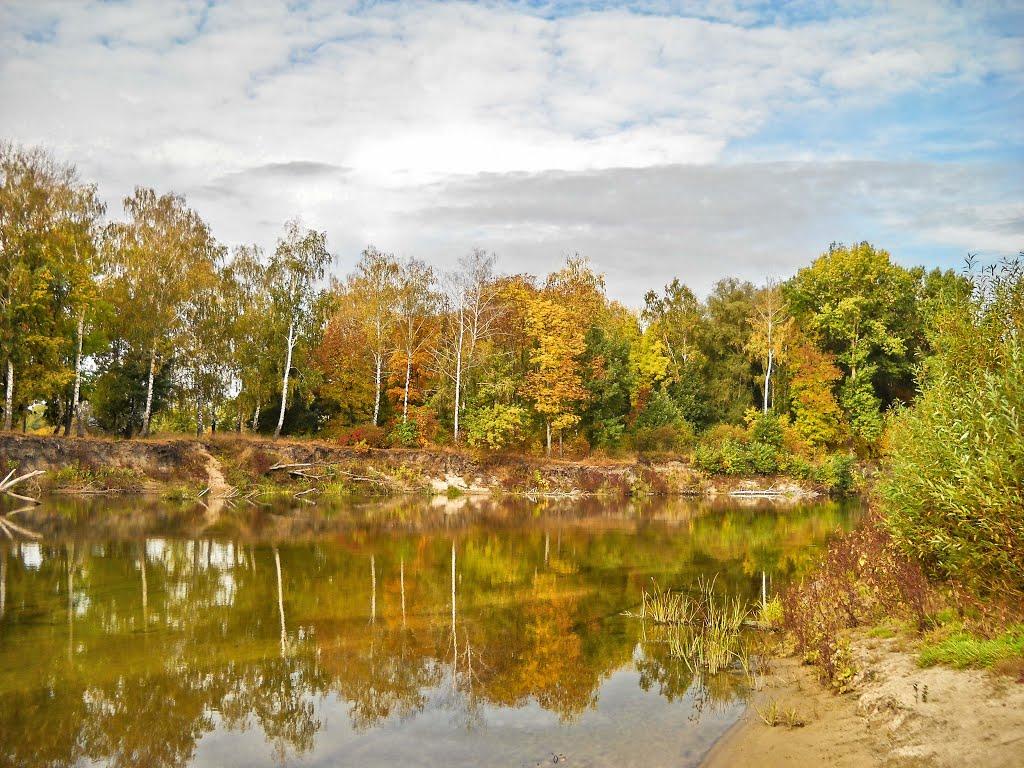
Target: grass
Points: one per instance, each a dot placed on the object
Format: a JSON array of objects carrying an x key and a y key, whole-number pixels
[
  {"x": 770, "y": 613},
  {"x": 77, "y": 477},
  {"x": 962, "y": 650},
  {"x": 773, "y": 715},
  {"x": 705, "y": 630}
]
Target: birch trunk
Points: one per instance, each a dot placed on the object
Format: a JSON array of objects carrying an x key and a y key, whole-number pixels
[
  {"x": 9, "y": 405},
  {"x": 379, "y": 367},
  {"x": 284, "y": 386},
  {"x": 458, "y": 371},
  {"x": 256, "y": 418},
  {"x": 768, "y": 378},
  {"x": 549, "y": 438},
  {"x": 405, "y": 397},
  {"x": 199, "y": 417},
  {"x": 78, "y": 376},
  {"x": 149, "y": 393}
]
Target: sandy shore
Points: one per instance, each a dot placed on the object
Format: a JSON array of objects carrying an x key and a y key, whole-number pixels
[{"x": 966, "y": 718}]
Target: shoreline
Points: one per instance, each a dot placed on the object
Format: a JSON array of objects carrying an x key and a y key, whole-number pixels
[
  {"x": 98, "y": 465},
  {"x": 897, "y": 714}
]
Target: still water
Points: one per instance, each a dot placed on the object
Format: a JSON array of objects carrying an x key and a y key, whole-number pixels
[{"x": 398, "y": 633}]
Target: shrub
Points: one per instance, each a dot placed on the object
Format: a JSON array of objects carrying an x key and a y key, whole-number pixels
[
  {"x": 669, "y": 437},
  {"x": 862, "y": 578},
  {"x": 404, "y": 434},
  {"x": 953, "y": 491},
  {"x": 836, "y": 474},
  {"x": 495, "y": 427},
  {"x": 766, "y": 427},
  {"x": 366, "y": 435}
]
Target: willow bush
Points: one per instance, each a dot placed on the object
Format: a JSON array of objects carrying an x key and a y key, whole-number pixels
[{"x": 953, "y": 491}]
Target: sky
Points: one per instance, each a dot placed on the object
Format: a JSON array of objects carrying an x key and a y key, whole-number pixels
[{"x": 658, "y": 139}]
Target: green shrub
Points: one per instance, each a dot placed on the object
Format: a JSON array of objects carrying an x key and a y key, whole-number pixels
[
  {"x": 836, "y": 474},
  {"x": 953, "y": 491},
  {"x": 766, "y": 428},
  {"x": 404, "y": 434},
  {"x": 495, "y": 427}
]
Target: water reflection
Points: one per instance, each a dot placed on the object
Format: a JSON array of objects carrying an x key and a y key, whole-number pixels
[{"x": 369, "y": 634}]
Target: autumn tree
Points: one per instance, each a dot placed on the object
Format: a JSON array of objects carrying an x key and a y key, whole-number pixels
[
  {"x": 470, "y": 312},
  {"x": 555, "y": 385},
  {"x": 159, "y": 254},
  {"x": 415, "y": 311},
  {"x": 48, "y": 229},
  {"x": 374, "y": 288},
  {"x": 817, "y": 417},
  {"x": 293, "y": 274}
]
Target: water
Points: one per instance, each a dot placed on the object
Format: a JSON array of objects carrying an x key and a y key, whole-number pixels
[{"x": 159, "y": 635}]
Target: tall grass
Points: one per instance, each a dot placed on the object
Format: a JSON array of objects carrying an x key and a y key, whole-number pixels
[{"x": 704, "y": 630}]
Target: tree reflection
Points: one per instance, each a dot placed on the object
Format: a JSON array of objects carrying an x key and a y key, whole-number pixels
[{"x": 150, "y": 641}]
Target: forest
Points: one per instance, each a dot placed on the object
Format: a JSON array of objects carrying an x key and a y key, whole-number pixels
[{"x": 144, "y": 323}]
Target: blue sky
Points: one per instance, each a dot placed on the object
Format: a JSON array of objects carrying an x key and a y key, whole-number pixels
[{"x": 660, "y": 139}]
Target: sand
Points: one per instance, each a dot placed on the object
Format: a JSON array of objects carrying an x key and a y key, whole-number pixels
[{"x": 968, "y": 718}]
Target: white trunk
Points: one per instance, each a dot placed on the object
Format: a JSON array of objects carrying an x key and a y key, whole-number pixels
[
  {"x": 378, "y": 372},
  {"x": 199, "y": 417},
  {"x": 256, "y": 418},
  {"x": 9, "y": 405},
  {"x": 401, "y": 581},
  {"x": 78, "y": 376},
  {"x": 768, "y": 378},
  {"x": 280, "y": 601},
  {"x": 458, "y": 372},
  {"x": 405, "y": 398},
  {"x": 373, "y": 590},
  {"x": 549, "y": 437},
  {"x": 149, "y": 393},
  {"x": 284, "y": 386}
]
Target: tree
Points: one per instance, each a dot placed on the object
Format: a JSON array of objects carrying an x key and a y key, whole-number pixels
[
  {"x": 470, "y": 313},
  {"x": 48, "y": 262},
  {"x": 771, "y": 327},
  {"x": 858, "y": 305},
  {"x": 728, "y": 377},
  {"x": 374, "y": 288},
  {"x": 817, "y": 416},
  {"x": 293, "y": 274},
  {"x": 415, "y": 312},
  {"x": 555, "y": 384},
  {"x": 158, "y": 255},
  {"x": 249, "y": 304}
]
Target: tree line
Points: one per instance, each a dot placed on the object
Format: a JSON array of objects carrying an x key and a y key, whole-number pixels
[{"x": 146, "y": 323}]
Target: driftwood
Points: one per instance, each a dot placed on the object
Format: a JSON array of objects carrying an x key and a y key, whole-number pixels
[{"x": 10, "y": 481}]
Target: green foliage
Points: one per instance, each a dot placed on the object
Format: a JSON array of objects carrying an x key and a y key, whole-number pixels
[
  {"x": 953, "y": 491},
  {"x": 836, "y": 474},
  {"x": 766, "y": 427},
  {"x": 862, "y": 407},
  {"x": 404, "y": 434},
  {"x": 495, "y": 427}
]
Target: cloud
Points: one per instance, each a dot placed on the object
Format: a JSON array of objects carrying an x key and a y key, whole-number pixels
[{"x": 649, "y": 129}]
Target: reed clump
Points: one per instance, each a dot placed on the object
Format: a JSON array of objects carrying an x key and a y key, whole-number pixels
[{"x": 703, "y": 629}]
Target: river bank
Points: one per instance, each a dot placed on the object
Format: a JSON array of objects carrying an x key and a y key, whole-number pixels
[
  {"x": 243, "y": 464},
  {"x": 896, "y": 714}
]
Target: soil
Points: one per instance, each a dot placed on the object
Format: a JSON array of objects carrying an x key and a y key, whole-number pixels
[
  {"x": 244, "y": 459},
  {"x": 897, "y": 716}
]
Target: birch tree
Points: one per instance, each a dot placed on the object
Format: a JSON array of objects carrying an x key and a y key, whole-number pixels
[
  {"x": 771, "y": 327},
  {"x": 374, "y": 288},
  {"x": 471, "y": 310},
  {"x": 47, "y": 243},
  {"x": 158, "y": 254},
  {"x": 415, "y": 309},
  {"x": 294, "y": 273}
]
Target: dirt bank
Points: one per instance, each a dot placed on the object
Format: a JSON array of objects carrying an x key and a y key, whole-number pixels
[
  {"x": 898, "y": 716},
  {"x": 244, "y": 462}
]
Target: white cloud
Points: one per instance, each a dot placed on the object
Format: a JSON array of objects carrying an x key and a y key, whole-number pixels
[{"x": 401, "y": 123}]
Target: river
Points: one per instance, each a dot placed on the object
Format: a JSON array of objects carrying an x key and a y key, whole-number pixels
[{"x": 398, "y": 633}]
